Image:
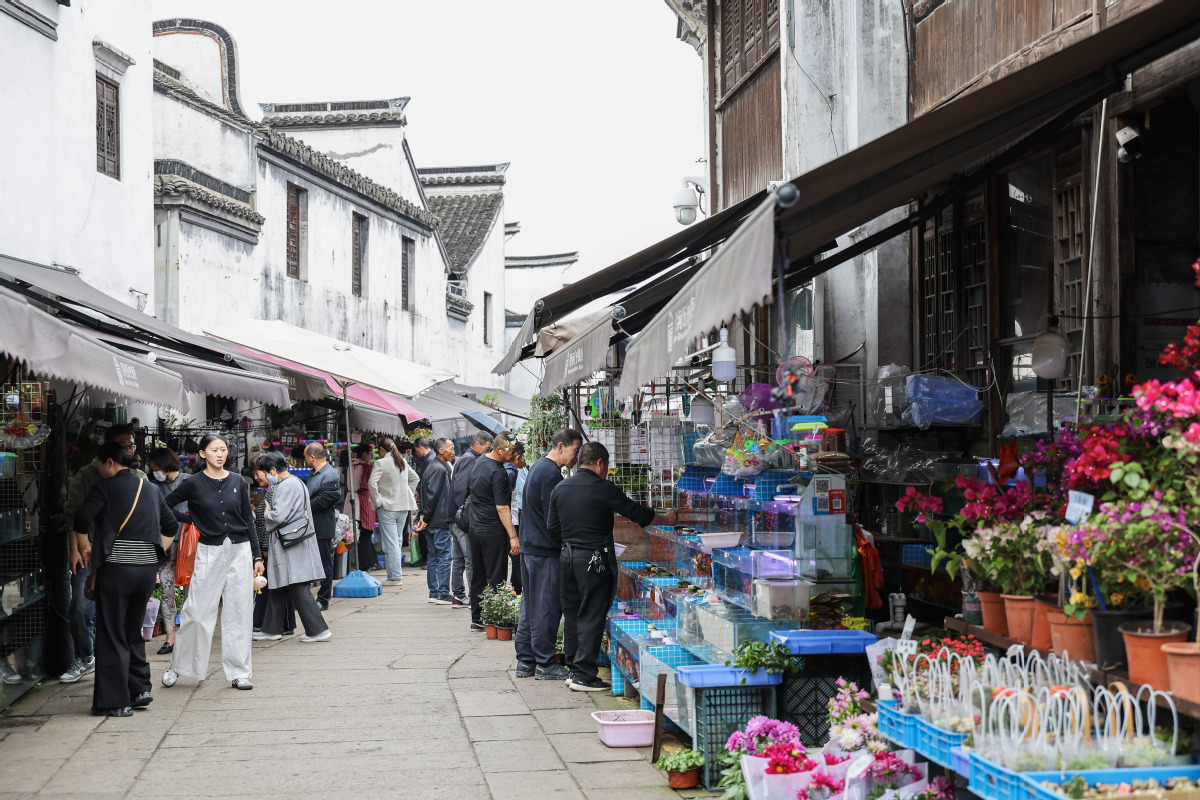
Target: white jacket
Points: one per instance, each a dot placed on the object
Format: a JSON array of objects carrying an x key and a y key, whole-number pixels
[{"x": 391, "y": 489}]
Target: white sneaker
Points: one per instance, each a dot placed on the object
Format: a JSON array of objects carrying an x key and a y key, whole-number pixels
[
  {"x": 242, "y": 683},
  {"x": 169, "y": 677},
  {"x": 78, "y": 670},
  {"x": 259, "y": 636},
  {"x": 323, "y": 636},
  {"x": 9, "y": 675}
]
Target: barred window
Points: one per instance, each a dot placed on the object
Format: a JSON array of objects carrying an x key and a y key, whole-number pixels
[
  {"x": 358, "y": 256},
  {"x": 407, "y": 258},
  {"x": 108, "y": 129}
]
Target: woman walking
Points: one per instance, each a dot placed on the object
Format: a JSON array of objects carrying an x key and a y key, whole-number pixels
[
  {"x": 292, "y": 567},
  {"x": 227, "y": 560},
  {"x": 168, "y": 474},
  {"x": 393, "y": 487},
  {"x": 133, "y": 527},
  {"x": 260, "y": 527},
  {"x": 358, "y": 507}
]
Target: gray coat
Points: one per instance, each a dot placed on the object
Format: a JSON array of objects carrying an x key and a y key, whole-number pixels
[{"x": 300, "y": 563}]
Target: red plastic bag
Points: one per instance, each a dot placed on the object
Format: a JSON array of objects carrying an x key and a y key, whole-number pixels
[{"x": 185, "y": 554}]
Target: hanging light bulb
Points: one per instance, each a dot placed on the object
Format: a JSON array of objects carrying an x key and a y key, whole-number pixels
[
  {"x": 1050, "y": 352},
  {"x": 724, "y": 360}
]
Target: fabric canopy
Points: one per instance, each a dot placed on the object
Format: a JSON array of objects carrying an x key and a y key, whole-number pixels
[
  {"x": 733, "y": 281},
  {"x": 376, "y": 420},
  {"x": 580, "y": 357},
  {"x": 506, "y": 402},
  {"x": 347, "y": 363},
  {"x": 443, "y": 404},
  {"x": 53, "y": 348}
]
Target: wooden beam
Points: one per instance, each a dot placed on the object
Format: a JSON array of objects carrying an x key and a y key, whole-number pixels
[{"x": 660, "y": 692}]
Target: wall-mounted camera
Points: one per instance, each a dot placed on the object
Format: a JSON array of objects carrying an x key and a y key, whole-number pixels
[{"x": 1129, "y": 144}]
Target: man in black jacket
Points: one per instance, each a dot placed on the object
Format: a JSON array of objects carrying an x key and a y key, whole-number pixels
[
  {"x": 325, "y": 496},
  {"x": 460, "y": 551},
  {"x": 425, "y": 455},
  {"x": 541, "y": 608},
  {"x": 434, "y": 517},
  {"x": 581, "y": 515}
]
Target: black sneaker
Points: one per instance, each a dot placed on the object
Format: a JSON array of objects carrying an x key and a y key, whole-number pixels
[
  {"x": 554, "y": 672},
  {"x": 142, "y": 700},
  {"x": 525, "y": 670},
  {"x": 580, "y": 684},
  {"x": 475, "y": 626},
  {"x": 460, "y": 602}
]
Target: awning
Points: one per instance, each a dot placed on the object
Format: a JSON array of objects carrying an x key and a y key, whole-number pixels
[
  {"x": 65, "y": 289},
  {"x": 55, "y": 349},
  {"x": 347, "y": 363},
  {"x": 734, "y": 280},
  {"x": 376, "y": 420},
  {"x": 505, "y": 402},
  {"x": 929, "y": 151},
  {"x": 442, "y": 404},
  {"x": 580, "y": 357}
]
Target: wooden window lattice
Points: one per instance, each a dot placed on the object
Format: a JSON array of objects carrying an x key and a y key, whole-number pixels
[
  {"x": 749, "y": 33},
  {"x": 406, "y": 260},
  {"x": 357, "y": 225},
  {"x": 108, "y": 129},
  {"x": 293, "y": 231},
  {"x": 1070, "y": 220}
]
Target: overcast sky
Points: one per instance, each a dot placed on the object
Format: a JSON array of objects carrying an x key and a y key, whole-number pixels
[{"x": 597, "y": 105}]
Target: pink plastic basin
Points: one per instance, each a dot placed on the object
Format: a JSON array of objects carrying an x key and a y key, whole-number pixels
[{"x": 625, "y": 728}]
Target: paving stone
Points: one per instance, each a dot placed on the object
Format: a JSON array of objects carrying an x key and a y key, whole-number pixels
[
  {"x": 642, "y": 793},
  {"x": 587, "y": 747},
  {"x": 607, "y": 775},
  {"x": 491, "y": 704},
  {"x": 523, "y": 785},
  {"x": 565, "y": 720},
  {"x": 493, "y": 729},
  {"x": 532, "y": 756}
]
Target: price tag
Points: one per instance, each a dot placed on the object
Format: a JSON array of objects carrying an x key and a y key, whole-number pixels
[
  {"x": 907, "y": 647},
  {"x": 887, "y": 400},
  {"x": 910, "y": 623},
  {"x": 1079, "y": 505}
]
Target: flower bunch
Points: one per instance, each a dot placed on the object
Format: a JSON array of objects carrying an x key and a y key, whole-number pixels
[
  {"x": 889, "y": 770},
  {"x": 832, "y": 759},
  {"x": 860, "y": 732},
  {"x": 845, "y": 704},
  {"x": 986, "y": 503},
  {"x": 787, "y": 758},
  {"x": 1101, "y": 449},
  {"x": 1007, "y": 553},
  {"x": 821, "y": 786},
  {"x": 922, "y": 504},
  {"x": 940, "y": 788},
  {"x": 761, "y": 732}
]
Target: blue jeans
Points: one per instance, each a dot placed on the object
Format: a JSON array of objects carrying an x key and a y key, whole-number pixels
[
  {"x": 391, "y": 529},
  {"x": 82, "y": 615},
  {"x": 437, "y": 573}
]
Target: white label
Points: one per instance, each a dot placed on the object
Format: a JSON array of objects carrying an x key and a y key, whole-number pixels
[
  {"x": 858, "y": 768},
  {"x": 887, "y": 399},
  {"x": 907, "y": 647},
  {"x": 910, "y": 623},
  {"x": 1079, "y": 505}
]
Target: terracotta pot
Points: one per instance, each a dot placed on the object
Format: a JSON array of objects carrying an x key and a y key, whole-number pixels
[
  {"x": 994, "y": 618},
  {"x": 683, "y": 780},
  {"x": 1072, "y": 637},
  {"x": 1147, "y": 661},
  {"x": 492, "y": 632},
  {"x": 1041, "y": 625},
  {"x": 1018, "y": 610},
  {"x": 504, "y": 634},
  {"x": 1183, "y": 666},
  {"x": 1110, "y": 644}
]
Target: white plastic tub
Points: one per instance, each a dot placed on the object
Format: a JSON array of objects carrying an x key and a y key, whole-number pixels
[
  {"x": 710, "y": 540},
  {"x": 625, "y": 728}
]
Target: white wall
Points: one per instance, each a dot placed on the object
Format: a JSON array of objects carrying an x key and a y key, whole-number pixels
[
  {"x": 526, "y": 285},
  {"x": 54, "y": 205},
  {"x": 377, "y": 152}
]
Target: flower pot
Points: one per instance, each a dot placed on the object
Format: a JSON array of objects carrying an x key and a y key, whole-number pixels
[
  {"x": 683, "y": 780},
  {"x": 972, "y": 612},
  {"x": 492, "y": 633},
  {"x": 992, "y": 607},
  {"x": 504, "y": 634},
  {"x": 1018, "y": 610},
  {"x": 1183, "y": 666},
  {"x": 1072, "y": 637},
  {"x": 1147, "y": 661},
  {"x": 1041, "y": 625},
  {"x": 1109, "y": 643}
]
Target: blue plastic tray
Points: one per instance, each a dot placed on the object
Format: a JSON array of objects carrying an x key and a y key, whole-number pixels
[
  {"x": 960, "y": 762},
  {"x": 707, "y": 676},
  {"x": 994, "y": 782},
  {"x": 1035, "y": 790},
  {"x": 815, "y": 643}
]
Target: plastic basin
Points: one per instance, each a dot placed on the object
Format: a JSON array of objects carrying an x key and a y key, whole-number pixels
[
  {"x": 714, "y": 540},
  {"x": 625, "y": 728}
]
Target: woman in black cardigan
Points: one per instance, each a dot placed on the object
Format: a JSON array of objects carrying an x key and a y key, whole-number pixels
[{"x": 134, "y": 526}]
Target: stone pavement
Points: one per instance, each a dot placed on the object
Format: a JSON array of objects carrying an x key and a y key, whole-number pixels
[{"x": 404, "y": 702}]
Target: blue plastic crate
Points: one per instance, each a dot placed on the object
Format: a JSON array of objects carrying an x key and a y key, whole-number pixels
[
  {"x": 812, "y": 642},
  {"x": 960, "y": 762},
  {"x": 991, "y": 781},
  {"x": 943, "y": 741},
  {"x": 909, "y": 734},
  {"x": 771, "y": 483},
  {"x": 705, "y": 676},
  {"x": 889, "y": 720},
  {"x": 1036, "y": 791}
]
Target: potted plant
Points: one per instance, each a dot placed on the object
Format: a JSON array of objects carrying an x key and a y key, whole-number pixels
[
  {"x": 682, "y": 768},
  {"x": 509, "y": 613},
  {"x": 491, "y": 610},
  {"x": 773, "y": 657},
  {"x": 1183, "y": 658},
  {"x": 1006, "y": 552}
]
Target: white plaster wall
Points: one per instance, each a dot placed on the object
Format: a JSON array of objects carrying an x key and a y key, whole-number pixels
[
  {"x": 208, "y": 143},
  {"x": 486, "y": 274},
  {"x": 526, "y": 285},
  {"x": 377, "y": 152},
  {"x": 54, "y": 205},
  {"x": 198, "y": 56}
]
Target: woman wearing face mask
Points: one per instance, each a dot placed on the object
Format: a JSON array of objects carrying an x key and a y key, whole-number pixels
[
  {"x": 260, "y": 525},
  {"x": 227, "y": 560},
  {"x": 290, "y": 570},
  {"x": 133, "y": 525},
  {"x": 168, "y": 474}
]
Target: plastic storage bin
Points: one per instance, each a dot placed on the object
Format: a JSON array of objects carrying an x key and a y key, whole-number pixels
[
  {"x": 824, "y": 548},
  {"x": 991, "y": 781},
  {"x": 781, "y": 600},
  {"x": 1036, "y": 791},
  {"x": 664, "y": 660},
  {"x": 823, "y": 658},
  {"x": 735, "y": 568},
  {"x": 776, "y": 528},
  {"x": 718, "y": 711},
  {"x": 633, "y": 728},
  {"x": 693, "y": 562}
]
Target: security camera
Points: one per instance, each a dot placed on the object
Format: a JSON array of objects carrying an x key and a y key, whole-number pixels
[
  {"x": 687, "y": 200},
  {"x": 1129, "y": 144}
]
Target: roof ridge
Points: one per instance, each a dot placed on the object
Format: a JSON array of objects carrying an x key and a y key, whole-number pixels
[
  {"x": 455, "y": 180},
  {"x": 165, "y": 184},
  {"x": 168, "y": 85},
  {"x": 465, "y": 220}
]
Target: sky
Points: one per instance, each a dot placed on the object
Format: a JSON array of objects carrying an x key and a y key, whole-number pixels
[{"x": 597, "y": 106}]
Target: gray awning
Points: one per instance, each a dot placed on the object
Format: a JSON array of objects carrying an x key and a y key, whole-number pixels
[
  {"x": 506, "y": 402},
  {"x": 214, "y": 379},
  {"x": 443, "y": 404},
  {"x": 524, "y": 337},
  {"x": 579, "y": 358},
  {"x": 51, "y": 348},
  {"x": 734, "y": 280},
  {"x": 377, "y": 420}
]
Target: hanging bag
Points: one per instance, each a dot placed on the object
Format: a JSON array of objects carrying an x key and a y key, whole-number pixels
[
  {"x": 89, "y": 587},
  {"x": 187, "y": 543}
]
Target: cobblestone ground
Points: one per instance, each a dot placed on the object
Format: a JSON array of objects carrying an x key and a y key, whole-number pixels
[{"x": 404, "y": 702}]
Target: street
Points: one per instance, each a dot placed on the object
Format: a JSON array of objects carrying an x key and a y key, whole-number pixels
[{"x": 403, "y": 702}]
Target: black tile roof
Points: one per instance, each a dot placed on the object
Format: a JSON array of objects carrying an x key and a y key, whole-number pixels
[{"x": 464, "y": 221}]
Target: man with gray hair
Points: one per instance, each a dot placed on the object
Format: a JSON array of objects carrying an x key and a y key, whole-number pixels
[{"x": 325, "y": 497}]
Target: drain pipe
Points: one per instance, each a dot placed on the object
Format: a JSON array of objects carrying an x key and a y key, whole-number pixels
[{"x": 898, "y": 604}]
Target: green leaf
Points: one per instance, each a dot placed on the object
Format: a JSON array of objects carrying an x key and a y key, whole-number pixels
[{"x": 1132, "y": 481}]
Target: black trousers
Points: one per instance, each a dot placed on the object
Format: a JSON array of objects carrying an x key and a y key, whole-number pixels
[
  {"x": 367, "y": 558},
  {"x": 260, "y": 609},
  {"x": 298, "y": 595},
  {"x": 489, "y": 565},
  {"x": 122, "y": 671},
  {"x": 586, "y": 597},
  {"x": 325, "y": 590},
  {"x": 516, "y": 576}
]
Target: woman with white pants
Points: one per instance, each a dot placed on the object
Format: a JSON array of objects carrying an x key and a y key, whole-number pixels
[
  {"x": 392, "y": 488},
  {"x": 227, "y": 560}
]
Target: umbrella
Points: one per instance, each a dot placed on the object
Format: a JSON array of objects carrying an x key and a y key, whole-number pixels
[{"x": 485, "y": 423}]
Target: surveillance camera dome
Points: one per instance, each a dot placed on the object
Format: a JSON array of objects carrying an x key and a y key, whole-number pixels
[
  {"x": 686, "y": 205},
  {"x": 686, "y": 215},
  {"x": 1129, "y": 143}
]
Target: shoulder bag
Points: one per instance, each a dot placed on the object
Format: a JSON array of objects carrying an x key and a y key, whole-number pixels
[
  {"x": 89, "y": 587},
  {"x": 296, "y": 532},
  {"x": 462, "y": 516}
]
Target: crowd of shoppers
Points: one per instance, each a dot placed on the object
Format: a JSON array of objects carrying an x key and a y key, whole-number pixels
[{"x": 485, "y": 517}]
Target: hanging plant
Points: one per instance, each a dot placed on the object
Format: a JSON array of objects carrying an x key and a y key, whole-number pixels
[{"x": 546, "y": 415}]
